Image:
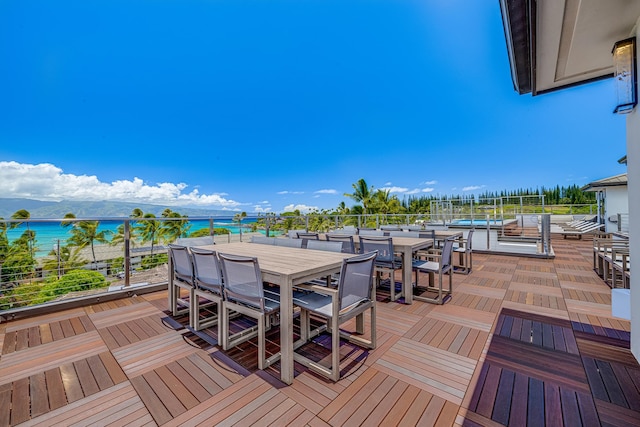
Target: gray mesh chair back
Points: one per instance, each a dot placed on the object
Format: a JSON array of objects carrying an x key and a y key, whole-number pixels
[
  {"x": 469, "y": 244},
  {"x": 465, "y": 253},
  {"x": 354, "y": 297},
  {"x": 324, "y": 245},
  {"x": 181, "y": 281},
  {"x": 244, "y": 294},
  {"x": 182, "y": 266},
  {"x": 428, "y": 234},
  {"x": 292, "y": 234},
  {"x": 242, "y": 280},
  {"x": 413, "y": 234},
  {"x": 207, "y": 272},
  {"x": 437, "y": 264},
  {"x": 308, "y": 236},
  {"x": 348, "y": 246},
  {"x": 289, "y": 243},
  {"x": 264, "y": 240},
  {"x": 383, "y": 246},
  {"x": 208, "y": 289},
  {"x": 305, "y": 237},
  {"x": 385, "y": 262},
  {"x": 356, "y": 280},
  {"x": 195, "y": 241},
  {"x": 348, "y": 229},
  {"x": 370, "y": 232},
  {"x": 447, "y": 250}
]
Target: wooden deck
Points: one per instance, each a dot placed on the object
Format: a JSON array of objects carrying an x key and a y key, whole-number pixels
[{"x": 522, "y": 342}]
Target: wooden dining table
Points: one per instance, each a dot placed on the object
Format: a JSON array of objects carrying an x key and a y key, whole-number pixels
[
  {"x": 406, "y": 246},
  {"x": 286, "y": 267}
]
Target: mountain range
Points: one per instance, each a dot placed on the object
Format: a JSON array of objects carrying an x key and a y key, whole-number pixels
[{"x": 57, "y": 210}]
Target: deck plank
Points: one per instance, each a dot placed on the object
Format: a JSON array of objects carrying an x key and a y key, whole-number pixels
[{"x": 521, "y": 340}]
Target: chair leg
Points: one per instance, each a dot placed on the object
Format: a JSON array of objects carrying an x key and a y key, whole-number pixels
[
  {"x": 261, "y": 341},
  {"x": 335, "y": 349},
  {"x": 223, "y": 339}
]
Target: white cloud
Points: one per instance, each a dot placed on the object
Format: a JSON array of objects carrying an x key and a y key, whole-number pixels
[
  {"x": 420, "y": 190},
  {"x": 48, "y": 182},
  {"x": 301, "y": 208},
  {"x": 327, "y": 191},
  {"x": 290, "y": 192},
  {"x": 395, "y": 189},
  {"x": 434, "y": 182},
  {"x": 473, "y": 187},
  {"x": 262, "y": 209}
]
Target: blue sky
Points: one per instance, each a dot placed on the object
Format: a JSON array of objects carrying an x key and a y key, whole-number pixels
[{"x": 273, "y": 105}]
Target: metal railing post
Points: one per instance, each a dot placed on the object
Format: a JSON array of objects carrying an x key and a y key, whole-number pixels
[{"x": 127, "y": 254}]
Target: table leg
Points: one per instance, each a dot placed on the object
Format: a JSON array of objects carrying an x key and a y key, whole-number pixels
[
  {"x": 286, "y": 333},
  {"x": 407, "y": 269}
]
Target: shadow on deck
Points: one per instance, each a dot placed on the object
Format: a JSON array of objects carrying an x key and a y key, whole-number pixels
[{"x": 521, "y": 342}]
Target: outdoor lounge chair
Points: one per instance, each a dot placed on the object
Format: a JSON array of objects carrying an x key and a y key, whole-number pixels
[
  {"x": 579, "y": 232},
  {"x": 353, "y": 297}
]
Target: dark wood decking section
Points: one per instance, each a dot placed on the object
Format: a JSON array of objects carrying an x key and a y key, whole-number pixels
[{"x": 522, "y": 342}]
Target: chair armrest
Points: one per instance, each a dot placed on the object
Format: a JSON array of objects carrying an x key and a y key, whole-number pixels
[{"x": 318, "y": 289}]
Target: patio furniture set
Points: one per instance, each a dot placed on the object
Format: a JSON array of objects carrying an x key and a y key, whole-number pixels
[{"x": 330, "y": 279}]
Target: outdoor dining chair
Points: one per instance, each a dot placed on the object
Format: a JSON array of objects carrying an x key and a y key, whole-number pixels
[
  {"x": 182, "y": 271},
  {"x": 208, "y": 287},
  {"x": 385, "y": 262},
  {"x": 195, "y": 241},
  {"x": 244, "y": 293},
  {"x": 305, "y": 237},
  {"x": 348, "y": 245},
  {"x": 353, "y": 297},
  {"x": 289, "y": 243},
  {"x": 370, "y": 232},
  {"x": 324, "y": 245},
  {"x": 465, "y": 251},
  {"x": 438, "y": 262},
  {"x": 264, "y": 240}
]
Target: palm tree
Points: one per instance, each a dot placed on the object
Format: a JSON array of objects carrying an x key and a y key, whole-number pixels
[
  {"x": 174, "y": 228},
  {"x": 30, "y": 236},
  {"x": 67, "y": 258},
  {"x": 361, "y": 194},
  {"x": 86, "y": 233},
  {"x": 238, "y": 217},
  {"x": 381, "y": 201},
  {"x": 149, "y": 229}
]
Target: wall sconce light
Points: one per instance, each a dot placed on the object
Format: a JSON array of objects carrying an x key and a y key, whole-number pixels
[{"x": 625, "y": 75}]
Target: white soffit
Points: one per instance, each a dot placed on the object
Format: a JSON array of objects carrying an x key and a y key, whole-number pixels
[{"x": 574, "y": 39}]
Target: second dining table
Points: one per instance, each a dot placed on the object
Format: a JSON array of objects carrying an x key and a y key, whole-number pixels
[
  {"x": 286, "y": 267},
  {"x": 406, "y": 246}
]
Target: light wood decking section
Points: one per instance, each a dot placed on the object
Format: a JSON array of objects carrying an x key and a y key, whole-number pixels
[{"x": 127, "y": 362}]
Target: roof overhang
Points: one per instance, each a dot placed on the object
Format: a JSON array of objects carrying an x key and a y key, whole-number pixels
[
  {"x": 555, "y": 44},
  {"x": 602, "y": 184}
]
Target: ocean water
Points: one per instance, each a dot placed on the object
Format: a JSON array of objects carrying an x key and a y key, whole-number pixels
[{"x": 48, "y": 234}]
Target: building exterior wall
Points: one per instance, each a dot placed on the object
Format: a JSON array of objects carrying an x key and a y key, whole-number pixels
[
  {"x": 616, "y": 202},
  {"x": 633, "y": 175}
]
